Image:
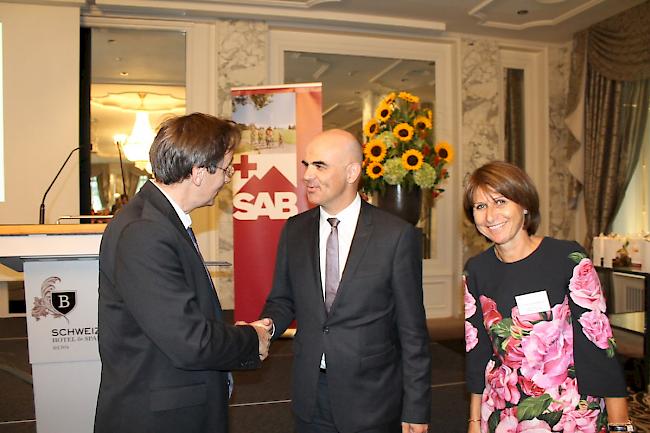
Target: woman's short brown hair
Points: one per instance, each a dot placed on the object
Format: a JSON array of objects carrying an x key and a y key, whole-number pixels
[
  {"x": 193, "y": 140},
  {"x": 511, "y": 182}
]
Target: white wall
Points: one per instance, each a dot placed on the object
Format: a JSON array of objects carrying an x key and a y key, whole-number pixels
[{"x": 41, "y": 108}]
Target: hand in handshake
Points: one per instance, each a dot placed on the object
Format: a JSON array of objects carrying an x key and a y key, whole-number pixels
[{"x": 263, "y": 327}]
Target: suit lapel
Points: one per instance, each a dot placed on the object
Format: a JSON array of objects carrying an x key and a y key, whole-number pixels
[
  {"x": 154, "y": 196},
  {"x": 313, "y": 242},
  {"x": 160, "y": 202}
]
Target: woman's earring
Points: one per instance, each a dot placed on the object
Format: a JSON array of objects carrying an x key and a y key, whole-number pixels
[{"x": 525, "y": 211}]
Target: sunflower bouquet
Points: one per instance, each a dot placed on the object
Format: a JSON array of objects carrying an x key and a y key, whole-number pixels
[{"x": 399, "y": 148}]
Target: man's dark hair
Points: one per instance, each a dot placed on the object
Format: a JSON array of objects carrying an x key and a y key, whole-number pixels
[{"x": 193, "y": 140}]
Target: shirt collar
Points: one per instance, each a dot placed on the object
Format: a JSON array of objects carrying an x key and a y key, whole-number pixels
[
  {"x": 353, "y": 209},
  {"x": 185, "y": 217}
]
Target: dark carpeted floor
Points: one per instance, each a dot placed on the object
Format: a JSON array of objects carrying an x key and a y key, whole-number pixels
[{"x": 261, "y": 403}]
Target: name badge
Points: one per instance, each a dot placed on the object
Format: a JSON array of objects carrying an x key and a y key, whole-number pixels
[{"x": 530, "y": 303}]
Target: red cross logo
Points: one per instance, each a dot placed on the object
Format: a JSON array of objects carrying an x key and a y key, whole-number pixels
[{"x": 244, "y": 166}]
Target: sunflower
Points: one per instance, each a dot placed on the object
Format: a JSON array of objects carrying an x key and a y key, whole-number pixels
[
  {"x": 390, "y": 98},
  {"x": 371, "y": 128},
  {"x": 383, "y": 112},
  {"x": 374, "y": 170},
  {"x": 375, "y": 150},
  {"x": 412, "y": 159},
  {"x": 445, "y": 151},
  {"x": 399, "y": 147},
  {"x": 408, "y": 97},
  {"x": 422, "y": 123},
  {"x": 403, "y": 131}
]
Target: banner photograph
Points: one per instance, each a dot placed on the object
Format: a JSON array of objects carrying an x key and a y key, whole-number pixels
[{"x": 277, "y": 122}]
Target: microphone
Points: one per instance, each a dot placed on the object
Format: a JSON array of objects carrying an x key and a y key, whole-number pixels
[{"x": 41, "y": 213}]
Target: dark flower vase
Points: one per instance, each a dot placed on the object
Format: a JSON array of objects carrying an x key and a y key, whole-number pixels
[{"x": 398, "y": 200}]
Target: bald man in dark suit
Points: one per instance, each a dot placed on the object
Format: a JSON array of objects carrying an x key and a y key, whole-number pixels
[{"x": 361, "y": 349}]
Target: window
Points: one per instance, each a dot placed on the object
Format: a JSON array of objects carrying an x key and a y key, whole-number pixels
[
  {"x": 137, "y": 79},
  {"x": 95, "y": 199},
  {"x": 632, "y": 217}
]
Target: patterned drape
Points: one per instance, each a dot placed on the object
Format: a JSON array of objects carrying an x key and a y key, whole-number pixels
[
  {"x": 132, "y": 174},
  {"x": 615, "y": 119},
  {"x": 618, "y": 48},
  {"x": 610, "y": 73}
]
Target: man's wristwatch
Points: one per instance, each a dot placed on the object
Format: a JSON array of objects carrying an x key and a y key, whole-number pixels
[{"x": 621, "y": 427}]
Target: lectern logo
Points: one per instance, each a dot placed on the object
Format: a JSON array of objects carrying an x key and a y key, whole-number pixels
[
  {"x": 54, "y": 303},
  {"x": 63, "y": 302}
]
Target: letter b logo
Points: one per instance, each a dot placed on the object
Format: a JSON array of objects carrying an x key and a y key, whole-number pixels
[{"x": 64, "y": 302}]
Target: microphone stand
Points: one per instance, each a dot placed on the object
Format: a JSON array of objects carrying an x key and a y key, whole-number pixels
[
  {"x": 41, "y": 213},
  {"x": 119, "y": 152}
]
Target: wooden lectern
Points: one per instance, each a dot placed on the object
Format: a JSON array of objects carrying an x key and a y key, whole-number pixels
[{"x": 60, "y": 266}]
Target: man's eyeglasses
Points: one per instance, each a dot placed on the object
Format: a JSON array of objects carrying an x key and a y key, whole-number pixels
[{"x": 229, "y": 171}]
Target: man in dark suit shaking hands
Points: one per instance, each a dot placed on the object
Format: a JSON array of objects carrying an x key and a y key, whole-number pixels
[
  {"x": 166, "y": 352},
  {"x": 351, "y": 276}
]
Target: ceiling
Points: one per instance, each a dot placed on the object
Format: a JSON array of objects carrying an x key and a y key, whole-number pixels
[
  {"x": 538, "y": 20},
  {"x": 154, "y": 61},
  {"x": 349, "y": 81}
]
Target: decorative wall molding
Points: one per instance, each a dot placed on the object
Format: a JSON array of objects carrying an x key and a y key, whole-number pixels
[
  {"x": 274, "y": 11},
  {"x": 441, "y": 272},
  {"x": 534, "y": 63},
  {"x": 479, "y": 12},
  {"x": 304, "y": 4}
]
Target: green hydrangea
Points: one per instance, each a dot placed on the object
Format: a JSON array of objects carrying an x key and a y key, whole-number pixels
[
  {"x": 394, "y": 171},
  {"x": 388, "y": 138},
  {"x": 425, "y": 177}
]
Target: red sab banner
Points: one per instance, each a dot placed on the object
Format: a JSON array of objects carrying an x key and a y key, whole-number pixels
[{"x": 277, "y": 122}]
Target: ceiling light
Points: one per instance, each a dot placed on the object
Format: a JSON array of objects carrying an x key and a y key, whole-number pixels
[{"x": 136, "y": 148}]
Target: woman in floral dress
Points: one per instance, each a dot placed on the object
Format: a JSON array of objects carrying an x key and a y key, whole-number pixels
[{"x": 540, "y": 352}]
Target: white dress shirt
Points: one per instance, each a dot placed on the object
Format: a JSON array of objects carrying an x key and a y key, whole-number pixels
[
  {"x": 185, "y": 217},
  {"x": 348, "y": 218}
]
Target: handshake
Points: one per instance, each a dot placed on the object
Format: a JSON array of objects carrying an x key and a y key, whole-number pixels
[{"x": 264, "y": 329}]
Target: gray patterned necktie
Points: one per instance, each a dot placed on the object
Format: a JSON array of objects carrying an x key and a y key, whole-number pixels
[{"x": 331, "y": 264}]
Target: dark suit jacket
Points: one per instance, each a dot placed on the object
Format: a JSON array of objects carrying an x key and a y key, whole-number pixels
[
  {"x": 375, "y": 338},
  {"x": 165, "y": 351}
]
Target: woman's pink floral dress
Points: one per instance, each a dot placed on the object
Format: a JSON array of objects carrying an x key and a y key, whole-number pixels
[{"x": 547, "y": 371}]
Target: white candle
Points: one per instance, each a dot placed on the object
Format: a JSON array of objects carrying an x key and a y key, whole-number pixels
[
  {"x": 598, "y": 246},
  {"x": 612, "y": 245},
  {"x": 645, "y": 261}
]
